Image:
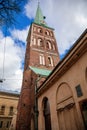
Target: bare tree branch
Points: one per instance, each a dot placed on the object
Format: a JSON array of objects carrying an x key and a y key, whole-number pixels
[{"x": 8, "y": 9}]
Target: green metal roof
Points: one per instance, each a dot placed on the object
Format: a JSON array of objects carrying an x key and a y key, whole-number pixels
[
  {"x": 39, "y": 18},
  {"x": 42, "y": 72}
]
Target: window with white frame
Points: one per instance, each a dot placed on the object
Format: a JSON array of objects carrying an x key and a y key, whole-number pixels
[
  {"x": 42, "y": 60},
  {"x": 50, "y": 61},
  {"x": 34, "y": 41},
  {"x": 39, "y": 30},
  {"x": 47, "y": 33},
  {"x": 53, "y": 47},
  {"x": 48, "y": 44},
  {"x": 40, "y": 42}
]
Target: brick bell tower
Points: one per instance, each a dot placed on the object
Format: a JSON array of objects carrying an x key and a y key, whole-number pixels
[{"x": 40, "y": 58}]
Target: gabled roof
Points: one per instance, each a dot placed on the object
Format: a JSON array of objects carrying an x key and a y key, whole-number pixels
[
  {"x": 39, "y": 18},
  {"x": 42, "y": 72}
]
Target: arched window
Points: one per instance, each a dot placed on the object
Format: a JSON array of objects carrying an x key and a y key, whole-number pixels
[
  {"x": 34, "y": 42},
  {"x": 53, "y": 47},
  {"x": 46, "y": 113},
  {"x": 42, "y": 60},
  {"x": 50, "y": 61},
  {"x": 39, "y": 30},
  {"x": 48, "y": 45},
  {"x": 47, "y": 33},
  {"x": 40, "y": 42}
]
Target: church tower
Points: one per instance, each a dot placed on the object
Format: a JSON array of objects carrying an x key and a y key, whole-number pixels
[
  {"x": 41, "y": 49},
  {"x": 40, "y": 59}
]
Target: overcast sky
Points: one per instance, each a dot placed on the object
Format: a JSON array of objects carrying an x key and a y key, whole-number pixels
[{"x": 67, "y": 17}]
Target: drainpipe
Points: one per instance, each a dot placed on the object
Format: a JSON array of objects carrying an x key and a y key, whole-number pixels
[{"x": 36, "y": 106}]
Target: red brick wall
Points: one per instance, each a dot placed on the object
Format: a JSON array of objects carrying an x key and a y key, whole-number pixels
[{"x": 26, "y": 101}]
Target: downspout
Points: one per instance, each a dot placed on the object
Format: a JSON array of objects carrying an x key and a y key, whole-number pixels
[{"x": 36, "y": 105}]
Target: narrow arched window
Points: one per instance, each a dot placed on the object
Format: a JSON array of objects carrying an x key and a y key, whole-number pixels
[
  {"x": 40, "y": 42},
  {"x": 47, "y": 33},
  {"x": 53, "y": 47},
  {"x": 51, "y": 34},
  {"x": 48, "y": 45},
  {"x": 39, "y": 30},
  {"x": 42, "y": 60},
  {"x": 34, "y": 41},
  {"x": 50, "y": 61}
]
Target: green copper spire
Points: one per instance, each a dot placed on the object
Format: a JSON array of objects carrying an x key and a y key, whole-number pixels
[{"x": 39, "y": 18}]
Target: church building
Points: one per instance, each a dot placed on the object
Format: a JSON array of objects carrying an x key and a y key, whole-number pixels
[{"x": 54, "y": 92}]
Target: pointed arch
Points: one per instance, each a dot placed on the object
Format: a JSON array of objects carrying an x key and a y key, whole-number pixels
[
  {"x": 39, "y": 30},
  {"x": 66, "y": 109},
  {"x": 64, "y": 93},
  {"x": 40, "y": 42},
  {"x": 46, "y": 113},
  {"x": 48, "y": 45}
]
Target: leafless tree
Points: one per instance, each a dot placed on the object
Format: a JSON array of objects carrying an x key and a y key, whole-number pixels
[{"x": 8, "y": 10}]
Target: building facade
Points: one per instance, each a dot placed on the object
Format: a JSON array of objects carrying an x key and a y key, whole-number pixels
[
  {"x": 40, "y": 58},
  {"x": 53, "y": 94},
  {"x": 62, "y": 98},
  {"x": 8, "y": 105}
]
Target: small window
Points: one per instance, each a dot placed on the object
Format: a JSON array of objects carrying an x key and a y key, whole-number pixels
[
  {"x": 48, "y": 45},
  {"x": 2, "y": 111},
  {"x": 47, "y": 33},
  {"x": 79, "y": 91},
  {"x": 50, "y": 61},
  {"x": 1, "y": 124},
  {"x": 42, "y": 60},
  {"x": 53, "y": 47},
  {"x": 40, "y": 42},
  {"x": 11, "y": 111},
  {"x": 34, "y": 42},
  {"x": 39, "y": 30}
]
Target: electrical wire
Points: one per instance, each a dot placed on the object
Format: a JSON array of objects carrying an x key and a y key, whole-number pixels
[{"x": 3, "y": 75}]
